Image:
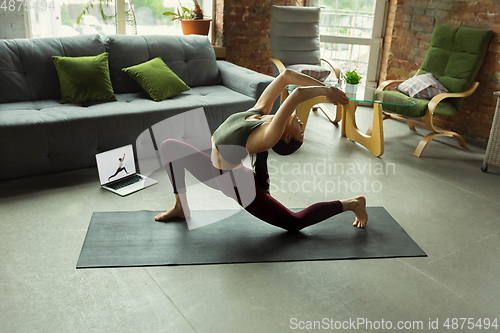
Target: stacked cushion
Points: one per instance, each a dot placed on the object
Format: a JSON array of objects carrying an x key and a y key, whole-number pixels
[
  {"x": 295, "y": 35},
  {"x": 455, "y": 56},
  {"x": 318, "y": 72}
]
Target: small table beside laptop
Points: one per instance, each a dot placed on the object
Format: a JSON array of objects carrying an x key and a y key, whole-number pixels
[{"x": 374, "y": 141}]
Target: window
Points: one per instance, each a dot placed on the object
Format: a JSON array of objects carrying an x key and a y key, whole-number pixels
[
  {"x": 150, "y": 19},
  {"x": 351, "y": 35},
  {"x": 58, "y": 18}
]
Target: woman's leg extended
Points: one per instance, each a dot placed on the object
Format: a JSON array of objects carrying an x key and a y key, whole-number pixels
[
  {"x": 268, "y": 209},
  {"x": 178, "y": 156}
]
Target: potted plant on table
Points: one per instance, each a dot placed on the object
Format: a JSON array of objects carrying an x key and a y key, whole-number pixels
[
  {"x": 192, "y": 21},
  {"x": 352, "y": 79}
]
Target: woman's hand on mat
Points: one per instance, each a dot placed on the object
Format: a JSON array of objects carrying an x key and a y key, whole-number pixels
[{"x": 336, "y": 96}]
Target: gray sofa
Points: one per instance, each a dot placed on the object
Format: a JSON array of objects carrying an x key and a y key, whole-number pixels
[{"x": 39, "y": 135}]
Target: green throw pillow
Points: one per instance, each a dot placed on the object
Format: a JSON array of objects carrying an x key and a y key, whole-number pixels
[
  {"x": 156, "y": 79},
  {"x": 84, "y": 79}
]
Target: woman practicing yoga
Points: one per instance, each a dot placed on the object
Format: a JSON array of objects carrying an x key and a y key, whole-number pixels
[
  {"x": 255, "y": 131},
  {"x": 120, "y": 167}
]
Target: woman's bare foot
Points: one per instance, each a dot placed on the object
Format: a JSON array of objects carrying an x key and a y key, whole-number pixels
[
  {"x": 358, "y": 206},
  {"x": 176, "y": 211}
]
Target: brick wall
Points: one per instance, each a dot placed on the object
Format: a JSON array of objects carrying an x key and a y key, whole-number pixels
[
  {"x": 409, "y": 29},
  {"x": 243, "y": 27}
]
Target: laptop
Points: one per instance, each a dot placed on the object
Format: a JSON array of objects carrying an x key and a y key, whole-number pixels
[{"x": 117, "y": 171}]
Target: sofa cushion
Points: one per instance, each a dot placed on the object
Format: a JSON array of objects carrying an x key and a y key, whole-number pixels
[
  {"x": 218, "y": 102},
  {"x": 13, "y": 83},
  {"x": 191, "y": 58},
  {"x": 156, "y": 79},
  {"x": 84, "y": 79},
  {"x": 26, "y": 68}
]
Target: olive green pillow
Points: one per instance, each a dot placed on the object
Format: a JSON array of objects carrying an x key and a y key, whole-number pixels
[
  {"x": 84, "y": 79},
  {"x": 157, "y": 79}
]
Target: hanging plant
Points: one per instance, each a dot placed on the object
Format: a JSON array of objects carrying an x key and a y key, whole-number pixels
[{"x": 101, "y": 5}]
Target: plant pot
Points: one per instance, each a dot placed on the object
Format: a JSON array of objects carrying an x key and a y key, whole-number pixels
[
  {"x": 351, "y": 88},
  {"x": 196, "y": 27}
]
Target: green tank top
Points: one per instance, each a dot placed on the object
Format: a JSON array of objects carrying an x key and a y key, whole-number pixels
[{"x": 231, "y": 136}]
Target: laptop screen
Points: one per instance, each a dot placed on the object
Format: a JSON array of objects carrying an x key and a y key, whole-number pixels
[{"x": 115, "y": 164}]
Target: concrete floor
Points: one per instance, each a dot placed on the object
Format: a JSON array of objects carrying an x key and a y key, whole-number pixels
[{"x": 443, "y": 201}]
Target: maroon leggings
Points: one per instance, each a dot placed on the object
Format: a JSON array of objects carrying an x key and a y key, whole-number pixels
[{"x": 239, "y": 184}]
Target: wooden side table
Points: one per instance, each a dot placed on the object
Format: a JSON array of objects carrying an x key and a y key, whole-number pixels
[
  {"x": 374, "y": 140},
  {"x": 493, "y": 150}
]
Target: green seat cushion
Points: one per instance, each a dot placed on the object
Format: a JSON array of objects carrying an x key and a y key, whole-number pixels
[
  {"x": 159, "y": 81},
  {"x": 455, "y": 57},
  {"x": 418, "y": 110},
  {"x": 84, "y": 79}
]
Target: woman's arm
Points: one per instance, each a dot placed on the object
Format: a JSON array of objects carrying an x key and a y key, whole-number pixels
[
  {"x": 266, "y": 138},
  {"x": 301, "y": 94},
  {"x": 275, "y": 88}
]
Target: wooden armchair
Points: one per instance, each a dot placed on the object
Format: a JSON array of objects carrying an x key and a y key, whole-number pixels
[
  {"x": 454, "y": 58},
  {"x": 427, "y": 119}
]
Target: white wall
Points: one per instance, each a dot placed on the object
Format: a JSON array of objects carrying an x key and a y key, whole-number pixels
[{"x": 13, "y": 24}]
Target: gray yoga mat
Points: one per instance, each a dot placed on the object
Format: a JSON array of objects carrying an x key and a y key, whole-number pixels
[{"x": 126, "y": 239}]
